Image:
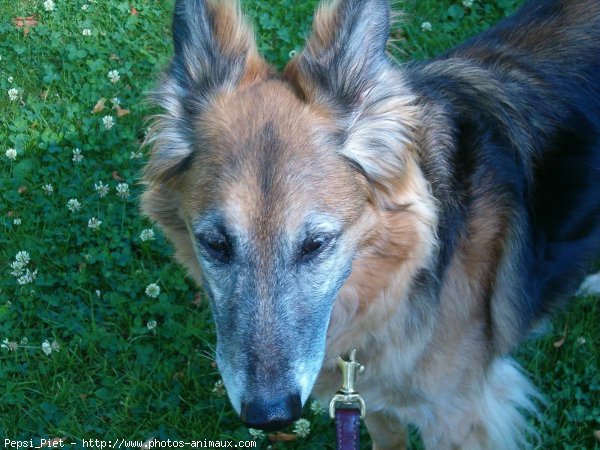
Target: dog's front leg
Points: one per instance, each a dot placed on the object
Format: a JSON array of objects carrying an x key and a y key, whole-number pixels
[{"x": 386, "y": 431}]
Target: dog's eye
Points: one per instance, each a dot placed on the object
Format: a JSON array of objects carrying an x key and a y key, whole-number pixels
[
  {"x": 312, "y": 246},
  {"x": 217, "y": 246}
]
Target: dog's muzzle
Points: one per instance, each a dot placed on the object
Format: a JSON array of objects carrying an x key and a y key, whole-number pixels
[{"x": 271, "y": 415}]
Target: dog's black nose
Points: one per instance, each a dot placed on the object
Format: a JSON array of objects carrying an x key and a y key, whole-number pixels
[{"x": 271, "y": 415}]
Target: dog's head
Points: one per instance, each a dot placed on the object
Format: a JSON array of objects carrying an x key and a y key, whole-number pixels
[{"x": 271, "y": 185}]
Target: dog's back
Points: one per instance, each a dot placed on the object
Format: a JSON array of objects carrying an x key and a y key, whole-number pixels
[{"x": 525, "y": 100}]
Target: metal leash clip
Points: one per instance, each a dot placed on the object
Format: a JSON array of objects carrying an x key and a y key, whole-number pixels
[{"x": 347, "y": 396}]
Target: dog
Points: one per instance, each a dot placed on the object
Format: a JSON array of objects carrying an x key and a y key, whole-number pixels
[{"x": 428, "y": 214}]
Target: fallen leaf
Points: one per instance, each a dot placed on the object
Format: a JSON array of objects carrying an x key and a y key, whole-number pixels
[
  {"x": 121, "y": 111},
  {"x": 10, "y": 213},
  {"x": 22, "y": 189},
  {"x": 197, "y": 299},
  {"x": 117, "y": 176},
  {"x": 399, "y": 34},
  {"x": 27, "y": 22},
  {"x": 134, "y": 12},
  {"x": 282, "y": 437},
  {"x": 113, "y": 57},
  {"x": 99, "y": 106},
  {"x": 562, "y": 339},
  {"x": 597, "y": 434}
]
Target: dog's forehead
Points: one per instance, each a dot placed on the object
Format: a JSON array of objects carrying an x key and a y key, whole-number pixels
[{"x": 274, "y": 159}]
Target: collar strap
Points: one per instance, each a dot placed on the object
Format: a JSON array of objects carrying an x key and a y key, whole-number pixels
[{"x": 347, "y": 429}]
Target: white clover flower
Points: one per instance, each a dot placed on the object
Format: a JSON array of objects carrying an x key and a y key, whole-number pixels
[
  {"x": 86, "y": 32},
  {"x": 98, "y": 293},
  {"x": 46, "y": 347},
  {"x": 302, "y": 427},
  {"x": 17, "y": 221},
  {"x": 49, "y": 5},
  {"x": 77, "y": 156},
  {"x": 48, "y": 189},
  {"x": 11, "y": 346},
  {"x": 85, "y": 7},
  {"x": 10, "y": 79},
  {"x": 151, "y": 325},
  {"x": 13, "y": 94},
  {"x": 22, "y": 258},
  {"x": 467, "y": 3},
  {"x": 73, "y": 205},
  {"x": 426, "y": 26},
  {"x": 147, "y": 235},
  {"x": 317, "y": 407},
  {"x": 11, "y": 153},
  {"x": 17, "y": 269},
  {"x": 108, "y": 122},
  {"x": 153, "y": 290},
  {"x": 256, "y": 434},
  {"x": 219, "y": 389},
  {"x": 115, "y": 100},
  {"x": 101, "y": 188},
  {"x": 581, "y": 340},
  {"x": 94, "y": 223},
  {"x": 27, "y": 277},
  {"x": 123, "y": 190},
  {"x": 114, "y": 76},
  {"x": 23, "y": 275},
  {"x": 136, "y": 155}
]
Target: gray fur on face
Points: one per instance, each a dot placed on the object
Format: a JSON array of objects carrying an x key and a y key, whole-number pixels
[{"x": 271, "y": 316}]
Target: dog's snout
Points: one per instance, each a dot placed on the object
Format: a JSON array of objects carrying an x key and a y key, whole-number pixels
[{"x": 271, "y": 415}]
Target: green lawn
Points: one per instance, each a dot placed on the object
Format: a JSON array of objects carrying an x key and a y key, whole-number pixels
[{"x": 89, "y": 349}]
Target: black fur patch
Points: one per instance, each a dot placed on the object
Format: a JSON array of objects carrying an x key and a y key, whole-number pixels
[{"x": 532, "y": 146}]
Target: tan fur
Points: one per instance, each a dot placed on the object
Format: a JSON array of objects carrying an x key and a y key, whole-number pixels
[
  {"x": 452, "y": 373},
  {"x": 325, "y": 25},
  {"x": 235, "y": 36},
  {"x": 238, "y": 189}
]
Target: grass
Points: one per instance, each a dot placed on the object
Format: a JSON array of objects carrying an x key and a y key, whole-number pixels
[{"x": 110, "y": 373}]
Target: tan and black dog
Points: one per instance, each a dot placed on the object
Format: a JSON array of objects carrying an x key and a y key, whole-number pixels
[{"x": 426, "y": 214}]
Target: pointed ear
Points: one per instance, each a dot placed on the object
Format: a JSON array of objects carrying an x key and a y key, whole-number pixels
[
  {"x": 214, "y": 52},
  {"x": 344, "y": 71},
  {"x": 214, "y": 45},
  {"x": 345, "y": 51}
]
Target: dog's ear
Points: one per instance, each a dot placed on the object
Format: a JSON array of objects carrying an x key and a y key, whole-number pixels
[
  {"x": 344, "y": 53},
  {"x": 344, "y": 71},
  {"x": 214, "y": 52},
  {"x": 214, "y": 45}
]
